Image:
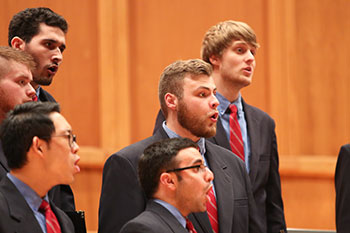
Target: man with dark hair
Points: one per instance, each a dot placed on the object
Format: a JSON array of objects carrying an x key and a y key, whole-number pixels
[
  {"x": 230, "y": 48},
  {"x": 40, "y": 32},
  {"x": 41, "y": 152},
  {"x": 176, "y": 182},
  {"x": 187, "y": 97}
]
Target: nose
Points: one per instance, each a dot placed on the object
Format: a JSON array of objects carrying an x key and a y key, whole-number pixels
[
  {"x": 30, "y": 91},
  {"x": 209, "y": 176},
  {"x": 250, "y": 57},
  {"x": 75, "y": 147},
  {"x": 57, "y": 56},
  {"x": 214, "y": 102}
]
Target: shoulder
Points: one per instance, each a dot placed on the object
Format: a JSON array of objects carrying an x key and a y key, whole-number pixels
[
  {"x": 131, "y": 154},
  {"x": 251, "y": 110},
  {"x": 46, "y": 96},
  {"x": 147, "y": 221}
]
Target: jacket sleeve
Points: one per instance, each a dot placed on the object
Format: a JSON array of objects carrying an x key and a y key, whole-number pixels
[
  {"x": 342, "y": 190},
  {"x": 274, "y": 204},
  {"x": 121, "y": 197}
]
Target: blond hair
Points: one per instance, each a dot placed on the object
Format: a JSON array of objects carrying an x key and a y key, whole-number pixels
[{"x": 221, "y": 35}]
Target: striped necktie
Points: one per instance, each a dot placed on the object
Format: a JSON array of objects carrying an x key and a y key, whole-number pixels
[
  {"x": 236, "y": 141},
  {"x": 52, "y": 225}
]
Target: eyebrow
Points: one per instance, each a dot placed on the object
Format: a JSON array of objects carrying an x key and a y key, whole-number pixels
[
  {"x": 63, "y": 46},
  {"x": 206, "y": 88}
]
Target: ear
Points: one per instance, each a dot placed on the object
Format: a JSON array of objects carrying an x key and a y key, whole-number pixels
[
  {"x": 168, "y": 180},
  {"x": 214, "y": 60},
  {"x": 171, "y": 101},
  {"x": 38, "y": 146},
  {"x": 18, "y": 43}
]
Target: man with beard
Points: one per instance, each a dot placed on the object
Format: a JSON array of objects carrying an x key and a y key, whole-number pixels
[
  {"x": 176, "y": 182},
  {"x": 187, "y": 98},
  {"x": 15, "y": 88},
  {"x": 230, "y": 48},
  {"x": 41, "y": 33}
]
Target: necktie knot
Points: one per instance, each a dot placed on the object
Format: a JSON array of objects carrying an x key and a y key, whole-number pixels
[
  {"x": 44, "y": 206},
  {"x": 233, "y": 108}
]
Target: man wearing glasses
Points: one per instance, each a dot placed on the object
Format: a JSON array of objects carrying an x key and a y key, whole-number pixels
[
  {"x": 41, "y": 152},
  {"x": 176, "y": 182},
  {"x": 187, "y": 97}
]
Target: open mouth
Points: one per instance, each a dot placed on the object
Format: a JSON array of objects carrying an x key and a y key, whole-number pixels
[
  {"x": 215, "y": 116},
  {"x": 53, "y": 69},
  {"x": 249, "y": 69}
]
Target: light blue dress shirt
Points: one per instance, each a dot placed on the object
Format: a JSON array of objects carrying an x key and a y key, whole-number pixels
[
  {"x": 32, "y": 198},
  {"x": 224, "y": 113}
]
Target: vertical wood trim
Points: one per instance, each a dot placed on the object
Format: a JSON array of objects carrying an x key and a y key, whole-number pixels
[{"x": 114, "y": 77}]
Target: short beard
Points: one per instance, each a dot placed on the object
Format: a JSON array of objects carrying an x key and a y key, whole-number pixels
[{"x": 192, "y": 122}]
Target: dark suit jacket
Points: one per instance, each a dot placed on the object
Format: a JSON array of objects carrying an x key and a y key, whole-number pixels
[
  {"x": 122, "y": 198},
  {"x": 21, "y": 217},
  {"x": 342, "y": 190},
  {"x": 155, "y": 219},
  {"x": 264, "y": 174},
  {"x": 45, "y": 96}
]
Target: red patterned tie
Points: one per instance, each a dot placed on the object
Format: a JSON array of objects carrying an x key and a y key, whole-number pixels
[
  {"x": 52, "y": 225},
  {"x": 212, "y": 211},
  {"x": 35, "y": 98},
  {"x": 189, "y": 226},
  {"x": 236, "y": 141}
]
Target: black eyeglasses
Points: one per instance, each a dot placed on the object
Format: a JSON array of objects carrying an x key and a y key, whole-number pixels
[
  {"x": 72, "y": 138},
  {"x": 200, "y": 167}
]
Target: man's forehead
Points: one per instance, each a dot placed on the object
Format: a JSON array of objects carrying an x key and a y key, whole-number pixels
[
  {"x": 17, "y": 69},
  {"x": 189, "y": 154},
  {"x": 199, "y": 80},
  {"x": 51, "y": 32},
  {"x": 61, "y": 124}
]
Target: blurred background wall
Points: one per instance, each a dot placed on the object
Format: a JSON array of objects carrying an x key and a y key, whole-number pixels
[{"x": 117, "y": 49}]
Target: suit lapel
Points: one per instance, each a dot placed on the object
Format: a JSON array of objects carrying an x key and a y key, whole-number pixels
[
  {"x": 18, "y": 207},
  {"x": 254, "y": 136},
  {"x": 166, "y": 216},
  {"x": 3, "y": 161},
  {"x": 220, "y": 137},
  {"x": 64, "y": 221},
  {"x": 224, "y": 195}
]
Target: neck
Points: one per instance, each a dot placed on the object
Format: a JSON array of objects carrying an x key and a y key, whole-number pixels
[
  {"x": 34, "y": 180},
  {"x": 225, "y": 87}
]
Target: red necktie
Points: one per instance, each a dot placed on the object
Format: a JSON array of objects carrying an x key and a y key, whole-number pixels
[
  {"x": 35, "y": 98},
  {"x": 52, "y": 225},
  {"x": 189, "y": 226},
  {"x": 236, "y": 141},
  {"x": 212, "y": 211}
]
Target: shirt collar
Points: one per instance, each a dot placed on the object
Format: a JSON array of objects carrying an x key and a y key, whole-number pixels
[
  {"x": 37, "y": 91},
  {"x": 31, "y": 197},
  {"x": 172, "y": 134},
  {"x": 224, "y": 104}
]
